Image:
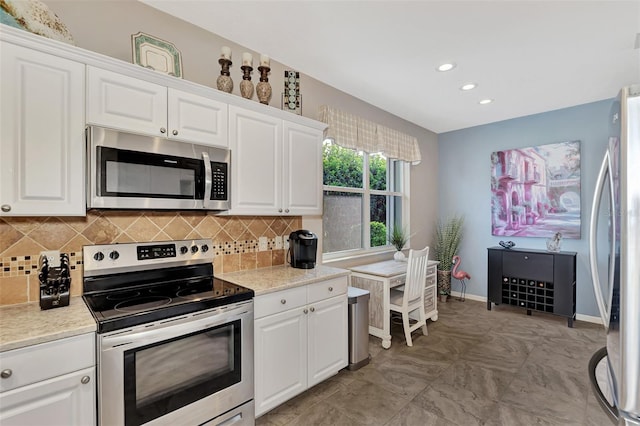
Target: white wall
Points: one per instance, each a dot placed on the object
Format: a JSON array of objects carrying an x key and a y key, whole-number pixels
[{"x": 464, "y": 178}]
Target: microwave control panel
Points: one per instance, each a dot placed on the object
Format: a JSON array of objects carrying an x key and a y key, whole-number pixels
[{"x": 220, "y": 181}]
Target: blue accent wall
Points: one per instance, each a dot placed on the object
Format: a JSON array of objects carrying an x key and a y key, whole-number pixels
[{"x": 464, "y": 178}]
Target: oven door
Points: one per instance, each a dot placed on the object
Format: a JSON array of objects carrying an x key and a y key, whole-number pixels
[
  {"x": 184, "y": 370},
  {"x": 129, "y": 171}
]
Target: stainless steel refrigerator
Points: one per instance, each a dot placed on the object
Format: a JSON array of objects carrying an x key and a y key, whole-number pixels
[{"x": 614, "y": 241}]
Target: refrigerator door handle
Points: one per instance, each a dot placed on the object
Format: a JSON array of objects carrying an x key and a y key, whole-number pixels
[{"x": 593, "y": 226}]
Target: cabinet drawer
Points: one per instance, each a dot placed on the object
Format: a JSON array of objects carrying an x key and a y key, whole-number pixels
[
  {"x": 397, "y": 281},
  {"x": 279, "y": 301},
  {"x": 326, "y": 289},
  {"x": 47, "y": 360},
  {"x": 537, "y": 266},
  {"x": 429, "y": 299},
  {"x": 431, "y": 280},
  {"x": 431, "y": 270}
]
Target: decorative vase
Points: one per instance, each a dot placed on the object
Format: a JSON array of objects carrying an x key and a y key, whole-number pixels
[
  {"x": 246, "y": 86},
  {"x": 444, "y": 282},
  {"x": 399, "y": 256},
  {"x": 263, "y": 88},
  {"x": 224, "y": 81}
]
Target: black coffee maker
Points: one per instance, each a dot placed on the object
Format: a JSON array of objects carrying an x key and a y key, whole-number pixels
[{"x": 303, "y": 245}]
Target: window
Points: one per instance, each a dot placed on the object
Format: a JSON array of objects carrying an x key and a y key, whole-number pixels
[{"x": 363, "y": 199}]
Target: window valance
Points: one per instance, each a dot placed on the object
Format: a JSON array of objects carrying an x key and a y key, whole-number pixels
[{"x": 351, "y": 131}]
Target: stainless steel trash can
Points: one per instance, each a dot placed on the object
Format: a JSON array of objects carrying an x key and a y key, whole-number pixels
[{"x": 358, "y": 328}]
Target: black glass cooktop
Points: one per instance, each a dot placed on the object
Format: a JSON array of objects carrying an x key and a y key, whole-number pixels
[{"x": 133, "y": 305}]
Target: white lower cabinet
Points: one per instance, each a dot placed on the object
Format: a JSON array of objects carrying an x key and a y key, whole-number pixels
[
  {"x": 300, "y": 340},
  {"x": 64, "y": 400},
  {"x": 52, "y": 383}
]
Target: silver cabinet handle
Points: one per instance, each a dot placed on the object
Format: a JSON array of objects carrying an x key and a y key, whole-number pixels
[
  {"x": 6, "y": 373},
  {"x": 330, "y": 288},
  {"x": 85, "y": 380},
  {"x": 283, "y": 301},
  {"x": 305, "y": 310},
  {"x": 175, "y": 132},
  {"x": 163, "y": 130},
  {"x": 6, "y": 208},
  {"x": 279, "y": 210},
  {"x": 286, "y": 210},
  {"x": 312, "y": 309}
]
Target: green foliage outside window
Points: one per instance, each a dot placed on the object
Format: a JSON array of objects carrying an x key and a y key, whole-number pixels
[
  {"x": 378, "y": 234},
  {"x": 343, "y": 167}
]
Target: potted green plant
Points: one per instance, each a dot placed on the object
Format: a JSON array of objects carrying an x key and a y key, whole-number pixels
[
  {"x": 448, "y": 238},
  {"x": 398, "y": 239}
]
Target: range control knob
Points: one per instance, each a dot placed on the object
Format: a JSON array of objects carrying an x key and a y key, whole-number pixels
[
  {"x": 204, "y": 248},
  {"x": 194, "y": 249},
  {"x": 114, "y": 255},
  {"x": 184, "y": 250},
  {"x": 98, "y": 256}
]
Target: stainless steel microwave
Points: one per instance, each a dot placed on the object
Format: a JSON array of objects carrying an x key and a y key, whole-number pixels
[{"x": 130, "y": 171}]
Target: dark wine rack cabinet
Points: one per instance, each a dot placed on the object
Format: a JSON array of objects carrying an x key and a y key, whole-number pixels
[{"x": 536, "y": 280}]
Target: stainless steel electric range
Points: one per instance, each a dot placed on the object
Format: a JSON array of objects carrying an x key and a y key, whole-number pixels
[{"x": 175, "y": 344}]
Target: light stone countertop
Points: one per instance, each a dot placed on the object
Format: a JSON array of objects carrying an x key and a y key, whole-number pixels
[
  {"x": 276, "y": 278},
  {"x": 26, "y": 324}
]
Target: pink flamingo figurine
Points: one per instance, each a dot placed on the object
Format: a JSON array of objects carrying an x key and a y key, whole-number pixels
[{"x": 460, "y": 275}]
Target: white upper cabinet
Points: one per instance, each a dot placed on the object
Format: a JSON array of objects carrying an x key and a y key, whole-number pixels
[
  {"x": 126, "y": 103},
  {"x": 255, "y": 140},
  {"x": 276, "y": 165},
  {"x": 41, "y": 134},
  {"x": 302, "y": 172}
]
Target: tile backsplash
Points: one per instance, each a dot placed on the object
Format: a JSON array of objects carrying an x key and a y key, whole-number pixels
[{"x": 235, "y": 241}]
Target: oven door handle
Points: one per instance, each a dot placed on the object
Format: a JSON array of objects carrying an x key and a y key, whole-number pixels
[{"x": 169, "y": 329}]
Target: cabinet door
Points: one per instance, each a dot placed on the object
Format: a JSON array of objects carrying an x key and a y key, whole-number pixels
[
  {"x": 41, "y": 134},
  {"x": 280, "y": 358},
  {"x": 256, "y": 162},
  {"x": 328, "y": 339},
  {"x": 126, "y": 103},
  {"x": 65, "y": 400},
  {"x": 302, "y": 177},
  {"x": 197, "y": 119}
]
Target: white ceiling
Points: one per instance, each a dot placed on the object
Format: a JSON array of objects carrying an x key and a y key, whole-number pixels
[{"x": 529, "y": 56}]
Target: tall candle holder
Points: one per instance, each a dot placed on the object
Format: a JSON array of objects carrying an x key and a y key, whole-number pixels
[
  {"x": 224, "y": 82},
  {"x": 246, "y": 86},
  {"x": 263, "y": 88}
]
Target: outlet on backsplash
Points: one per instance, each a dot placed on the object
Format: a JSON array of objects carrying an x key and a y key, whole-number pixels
[
  {"x": 278, "y": 242},
  {"x": 53, "y": 257}
]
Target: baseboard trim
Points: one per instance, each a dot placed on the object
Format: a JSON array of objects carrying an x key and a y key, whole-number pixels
[
  {"x": 579, "y": 317},
  {"x": 469, "y": 296},
  {"x": 589, "y": 318}
]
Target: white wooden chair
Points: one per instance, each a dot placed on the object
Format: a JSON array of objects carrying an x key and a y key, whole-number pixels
[{"x": 410, "y": 297}]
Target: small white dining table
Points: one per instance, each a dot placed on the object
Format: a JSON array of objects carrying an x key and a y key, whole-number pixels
[{"x": 378, "y": 278}]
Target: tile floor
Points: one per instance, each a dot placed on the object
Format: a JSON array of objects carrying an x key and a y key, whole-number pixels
[{"x": 476, "y": 367}]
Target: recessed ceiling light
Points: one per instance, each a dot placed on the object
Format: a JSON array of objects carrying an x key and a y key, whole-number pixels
[
  {"x": 446, "y": 67},
  {"x": 485, "y": 101},
  {"x": 468, "y": 86}
]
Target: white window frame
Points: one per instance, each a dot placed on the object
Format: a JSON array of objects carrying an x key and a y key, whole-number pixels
[{"x": 366, "y": 192}]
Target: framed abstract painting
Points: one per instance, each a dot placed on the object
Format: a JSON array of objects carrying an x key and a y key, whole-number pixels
[{"x": 535, "y": 191}]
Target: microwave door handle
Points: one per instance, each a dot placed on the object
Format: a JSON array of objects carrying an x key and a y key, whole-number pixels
[
  {"x": 208, "y": 180},
  {"x": 597, "y": 289}
]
